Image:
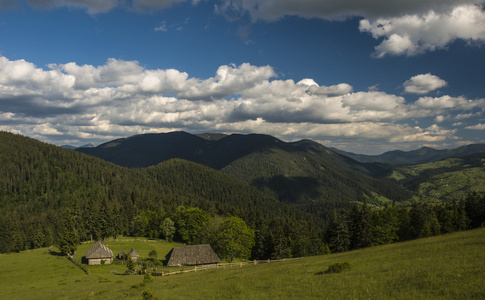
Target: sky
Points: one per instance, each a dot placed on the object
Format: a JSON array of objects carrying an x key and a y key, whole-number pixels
[{"x": 365, "y": 76}]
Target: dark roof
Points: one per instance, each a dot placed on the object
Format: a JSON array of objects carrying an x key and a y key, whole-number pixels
[
  {"x": 191, "y": 255},
  {"x": 133, "y": 253},
  {"x": 98, "y": 250}
]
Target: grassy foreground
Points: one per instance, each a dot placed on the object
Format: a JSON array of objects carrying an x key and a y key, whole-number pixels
[{"x": 450, "y": 266}]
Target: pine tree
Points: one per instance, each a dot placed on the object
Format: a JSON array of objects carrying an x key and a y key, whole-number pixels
[{"x": 68, "y": 238}]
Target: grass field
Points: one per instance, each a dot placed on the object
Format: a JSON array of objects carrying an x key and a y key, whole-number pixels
[{"x": 447, "y": 267}]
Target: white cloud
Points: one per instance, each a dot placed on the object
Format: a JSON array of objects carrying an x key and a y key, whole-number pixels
[
  {"x": 414, "y": 34},
  {"x": 423, "y": 84},
  {"x": 121, "y": 98},
  {"x": 333, "y": 9},
  {"x": 479, "y": 126}
]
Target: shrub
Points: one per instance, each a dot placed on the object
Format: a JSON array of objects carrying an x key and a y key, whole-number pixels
[
  {"x": 338, "y": 267},
  {"x": 147, "y": 295},
  {"x": 148, "y": 277}
]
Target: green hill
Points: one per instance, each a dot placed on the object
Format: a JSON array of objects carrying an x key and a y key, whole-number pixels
[
  {"x": 40, "y": 184},
  {"x": 444, "y": 267},
  {"x": 305, "y": 174},
  {"x": 445, "y": 180}
]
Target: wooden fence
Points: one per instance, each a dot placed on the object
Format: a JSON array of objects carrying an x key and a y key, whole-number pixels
[{"x": 218, "y": 266}]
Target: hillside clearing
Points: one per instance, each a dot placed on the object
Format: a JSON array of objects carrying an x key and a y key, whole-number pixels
[{"x": 449, "y": 266}]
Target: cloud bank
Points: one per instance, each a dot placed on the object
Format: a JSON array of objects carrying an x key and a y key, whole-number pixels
[
  {"x": 411, "y": 27},
  {"x": 71, "y": 103}
]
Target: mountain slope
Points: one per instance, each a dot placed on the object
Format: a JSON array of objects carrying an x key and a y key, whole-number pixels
[
  {"x": 445, "y": 180},
  {"x": 305, "y": 174},
  {"x": 40, "y": 183},
  {"x": 419, "y": 156}
]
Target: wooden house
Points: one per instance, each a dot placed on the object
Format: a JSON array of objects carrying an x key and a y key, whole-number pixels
[
  {"x": 191, "y": 256},
  {"x": 97, "y": 253},
  {"x": 134, "y": 255}
]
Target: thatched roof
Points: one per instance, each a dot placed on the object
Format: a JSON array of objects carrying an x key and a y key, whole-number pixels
[
  {"x": 99, "y": 250},
  {"x": 133, "y": 253},
  {"x": 191, "y": 255}
]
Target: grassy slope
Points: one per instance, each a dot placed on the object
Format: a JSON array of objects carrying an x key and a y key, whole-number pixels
[
  {"x": 449, "y": 179},
  {"x": 449, "y": 266}
]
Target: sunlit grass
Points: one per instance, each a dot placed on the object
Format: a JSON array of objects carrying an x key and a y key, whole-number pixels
[{"x": 448, "y": 267}]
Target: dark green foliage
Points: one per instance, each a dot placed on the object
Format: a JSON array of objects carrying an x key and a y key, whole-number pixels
[
  {"x": 338, "y": 267},
  {"x": 38, "y": 182},
  {"x": 188, "y": 222},
  {"x": 147, "y": 295},
  {"x": 148, "y": 277},
  {"x": 475, "y": 210},
  {"x": 130, "y": 265},
  {"x": 68, "y": 238},
  {"x": 338, "y": 234},
  {"x": 153, "y": 255},
  {"x": 168, "y": 229},
  {"x": 360, "y": 227},
  {"x": 235, "y": 239}
]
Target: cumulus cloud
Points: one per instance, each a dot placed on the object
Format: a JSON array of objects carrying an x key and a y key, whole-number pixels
[
  {"x": 423, "y": 84},
  {"x": 479, "y": 126},
  {"x": 71, "y": 102},
  {"x": 414, "y": 34},
  {"x": 333, "y": 9}
]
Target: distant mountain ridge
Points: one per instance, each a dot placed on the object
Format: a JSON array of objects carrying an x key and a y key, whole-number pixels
[
  {"x": 419, "y": 156},
  {"x": 303, "y": 173}
]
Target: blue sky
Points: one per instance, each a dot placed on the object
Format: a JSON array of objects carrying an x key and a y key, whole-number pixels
[{"x": 362, "y": 76}]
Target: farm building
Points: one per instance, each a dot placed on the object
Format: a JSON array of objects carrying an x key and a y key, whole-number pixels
[
  {"x": 97, "y": 253},
  {"x": 121, "y": 255},
  {"x": 134, "y": 255},
  {"x": 191, "y": 256}
]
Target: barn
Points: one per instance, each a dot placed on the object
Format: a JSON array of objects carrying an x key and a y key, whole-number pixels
[
  {"x": 191, "y": 256},
  {"x": 97, "y": 253}
]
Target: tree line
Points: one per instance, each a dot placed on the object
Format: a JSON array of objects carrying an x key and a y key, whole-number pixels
[{"x": 363, "y": 226}]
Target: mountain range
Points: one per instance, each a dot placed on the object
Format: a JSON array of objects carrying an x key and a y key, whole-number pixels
[{"x": 419, "y": 156}]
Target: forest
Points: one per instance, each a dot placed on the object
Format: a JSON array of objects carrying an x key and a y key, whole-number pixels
[{"x": 55, "y": 196}]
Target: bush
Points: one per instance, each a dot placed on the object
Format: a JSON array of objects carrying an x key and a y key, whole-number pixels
[
  {"x": 147, "y": 295},
  {"x": 338, "y": 267},
  {"x": 148, "y": 277}
]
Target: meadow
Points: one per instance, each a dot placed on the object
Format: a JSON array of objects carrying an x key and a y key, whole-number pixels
[{"x": 449, "y": 266}]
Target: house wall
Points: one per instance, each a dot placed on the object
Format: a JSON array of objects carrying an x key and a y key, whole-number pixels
[{"x": 97, "y": 261}]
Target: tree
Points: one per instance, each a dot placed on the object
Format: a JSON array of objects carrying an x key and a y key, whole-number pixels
[
  {"x": 361, "y": 227},
  {"x": 337, "y": 235},
  {"x": 385, "y": 225},
  {"x": 188, "y": 222},
  {"x": 130, "y": 265},
  {"x": 168, "y": 229},
  {"x": 235, "y": 239},
  {"x": 153, "y": 255},
  {"x": 68, "y": 238}
]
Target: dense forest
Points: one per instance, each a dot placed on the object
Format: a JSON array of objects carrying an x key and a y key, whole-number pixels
[
  {"x": 42, "y": 186},
  {"x": 50, "y": 195}
]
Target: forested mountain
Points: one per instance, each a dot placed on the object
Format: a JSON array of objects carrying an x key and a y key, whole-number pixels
[
  {"x": 41, "y": 185},
  {"x": 304, "y": 174},
  {"x": 51, "y": 195},
  {"x": 419, "y": 156}
]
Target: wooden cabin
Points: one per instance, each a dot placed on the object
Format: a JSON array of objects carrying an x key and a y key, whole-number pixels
[
  {"x": 97, "y": 253},
  {"x": 192, "y": 255}
]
